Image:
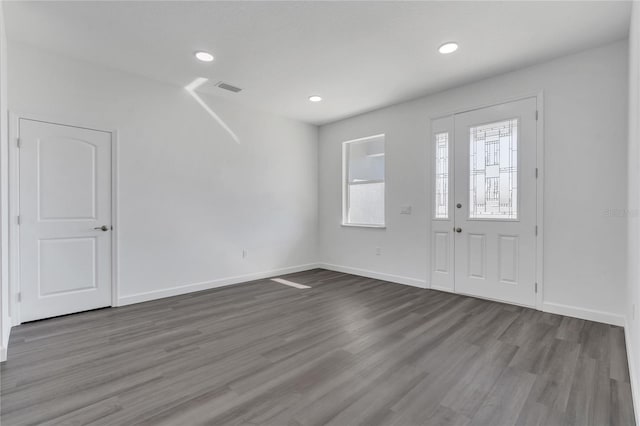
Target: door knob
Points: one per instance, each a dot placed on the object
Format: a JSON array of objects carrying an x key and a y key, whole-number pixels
[
  {"x": 103, "y": 228},
  {"x": 458, "y": 230},
  {"x": 459, "y": 205}
]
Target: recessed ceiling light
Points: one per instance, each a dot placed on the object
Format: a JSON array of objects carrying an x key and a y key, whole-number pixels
[
  {"x": 448, "y": 47},
  {"x": 204, "y": 56},
  {"x": 315, "y": 98}
]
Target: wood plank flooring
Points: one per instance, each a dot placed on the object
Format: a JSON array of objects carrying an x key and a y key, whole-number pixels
[{"x": 349, "y": 350}]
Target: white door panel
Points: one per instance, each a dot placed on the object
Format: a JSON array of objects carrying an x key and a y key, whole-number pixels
[
  {"x": 495, "y": 189},
  {"x": 65, "y": 193}
]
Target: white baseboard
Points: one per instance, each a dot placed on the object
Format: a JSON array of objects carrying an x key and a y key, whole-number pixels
[
  {"x": 583, "y": 313},
  {"x": 4, "y": 344},
  {"x": 632, "y": 373},
  {"x": 206, "y": 285},
  {"x": 440, "y": 288},
  {"x": 414, "y": 282}
]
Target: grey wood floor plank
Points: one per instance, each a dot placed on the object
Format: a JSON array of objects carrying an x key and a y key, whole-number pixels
[
  {"x": 348, "y": 351},
  {"x": 619, "y": 366},
  {"x": 504, "y": 403}
]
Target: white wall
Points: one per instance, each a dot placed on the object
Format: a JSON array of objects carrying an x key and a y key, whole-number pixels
[
  {"x": 5, "y": 321},
  {"x": 585, "y": 116},
  {"x": 190, "y": 198},
  {"x": 633, "y": 214}
]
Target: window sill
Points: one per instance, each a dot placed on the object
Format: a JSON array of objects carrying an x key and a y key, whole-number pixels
[{"x": 354, "y": 225}]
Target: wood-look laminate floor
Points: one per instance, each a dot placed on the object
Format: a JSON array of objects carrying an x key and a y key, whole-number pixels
[{"x": 350, "y": 350}]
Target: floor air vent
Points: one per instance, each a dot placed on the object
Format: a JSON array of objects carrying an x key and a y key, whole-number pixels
[{"x": 229, "y": 87}]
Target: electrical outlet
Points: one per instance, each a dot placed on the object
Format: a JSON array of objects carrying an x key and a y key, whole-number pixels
[
  {"x": 245, "y": 253},
  {"x": 405, "y": 210},
  {"x": 378, "y": 251}
]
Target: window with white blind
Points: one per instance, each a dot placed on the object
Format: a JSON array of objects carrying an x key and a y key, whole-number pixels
[{"x": 363, "y": 196}]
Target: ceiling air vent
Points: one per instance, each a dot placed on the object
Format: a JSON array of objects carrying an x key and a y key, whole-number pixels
[{"x": 227, "y": 86}]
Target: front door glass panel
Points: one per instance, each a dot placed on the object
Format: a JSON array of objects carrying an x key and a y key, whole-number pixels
[{"x": 493, "y": 172}]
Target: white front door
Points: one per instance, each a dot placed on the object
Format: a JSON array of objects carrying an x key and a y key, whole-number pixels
[
  {"x": 484, "y": 220},
  {"x": 65, "y": 219},
  {"x": 495, "y": 202}
]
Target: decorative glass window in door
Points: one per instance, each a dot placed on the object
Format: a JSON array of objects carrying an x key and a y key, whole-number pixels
[
  {"x": 442, "y": 175},
  {"x": 493, "y": 172}
]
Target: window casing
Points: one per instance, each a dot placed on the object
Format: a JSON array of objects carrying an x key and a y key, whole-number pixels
[{"x": 364, "y": 182}]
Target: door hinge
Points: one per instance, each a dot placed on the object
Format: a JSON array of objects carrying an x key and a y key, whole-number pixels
[
  {"x": 18, "y": 142},
  {"x": 18, "y": 219},
  {"x": 536, "y": 173},
  {"x": 536, "y": 230},
  {"x": 536, "y": 287},
  {"x": 19, "y": 296},
  {"x": 536, "y": 115}
]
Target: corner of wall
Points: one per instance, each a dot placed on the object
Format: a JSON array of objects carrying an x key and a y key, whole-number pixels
[
  {"x": 632, "y": 334},
  {"x": 5, "y": 320},
  {"x": 317, "y": 255}
]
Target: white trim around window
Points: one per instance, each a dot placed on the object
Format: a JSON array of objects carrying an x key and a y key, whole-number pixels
[{"x": 363, "y": 182}]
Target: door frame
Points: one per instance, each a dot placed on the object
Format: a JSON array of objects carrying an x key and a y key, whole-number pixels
[
  {"x": 539, "y": 96},
  {"x": 14, "y": 206}
]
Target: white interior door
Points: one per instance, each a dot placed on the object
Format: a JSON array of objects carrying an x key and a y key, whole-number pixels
[
  {"x": 495, "y": 202},
  {"x": 65, "y": 219}
]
